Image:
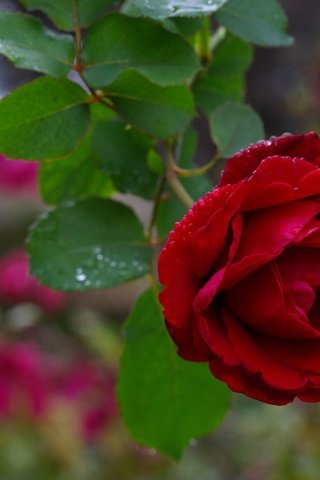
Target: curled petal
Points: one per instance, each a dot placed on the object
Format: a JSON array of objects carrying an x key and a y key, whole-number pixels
[{"x": 243, "y": 164}]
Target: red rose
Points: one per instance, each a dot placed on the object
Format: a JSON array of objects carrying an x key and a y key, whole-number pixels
[{"x": 241, "y": 273}]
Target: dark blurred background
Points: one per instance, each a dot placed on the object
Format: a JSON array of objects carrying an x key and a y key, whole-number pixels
[{"x": 284, "y": 83}]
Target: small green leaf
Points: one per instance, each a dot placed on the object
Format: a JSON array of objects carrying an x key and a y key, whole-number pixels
[
  {"x": 258, "y": 21},
  {"x": 43, "y": 119},
  {"x": 25, "y": 41},
  {"x": 234, "y": 126},
  {"x": 75, "y": 177},
  {"x": 159, "y": 111},
  {"x": 122, "y": 155},
  {"x": 224, "y": 81},
  {"x": 155, "y": 162},
  {"x": 177, "y": 8},
  {"x": 91, "y": 244},
  {"x": 115, "y": 43},
  {"x": 63, "y": 12},
  {"x": 171, "y": 209},
  {"x": 165, "y": 401}
]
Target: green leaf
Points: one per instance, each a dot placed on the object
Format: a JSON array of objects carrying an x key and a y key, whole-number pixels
[
  {"x": 118, "y": 42},
  {"x": 25, "y": 41},
  {"x": 188, "y": 26},
  {"x": 62, "y": 12},
  {"x": 122, "y": 155},
  {"x": 159, "y": 111},
  {"x": 74, "y": 177},
  {"x": 258, "y": 21},
  {"x": 91, "y": 244},
  {"x": 177, "y": 8},
  {"x": 171, "y": 209},
  {"x": 224, "y": 81},
  {"x": 43, "y": 119},
  {"x": 234, "y": 126},
  {"x": 99, "y": 111},
  {"x": 165, "y": 401}
]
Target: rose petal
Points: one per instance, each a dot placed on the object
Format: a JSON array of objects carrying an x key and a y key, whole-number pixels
[
  {"x": 279, "y": 180},
  {"x": 213, "y": 332},
  {"x": 256, "y": 360},
  {"x": 298, "y": 263},
  {"x": 209, "y": 240},
  {"x": 266, "y": 233},
  {"x": 177, "y": 249},
  {"x": 310, "y": 395},
  {"x": 295, "y": 353},
  {"x": 175, "y": 268},
  {"x": 243, "y": 164},
  {"x": 263, "y": 302},
  {"x": 207, "y": 293},
  {"x": 253, "y": 386},
  {"x": 190, "y": 343}
]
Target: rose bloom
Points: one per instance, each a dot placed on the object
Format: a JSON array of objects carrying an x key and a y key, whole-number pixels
[{"x": 241, "y": 273}]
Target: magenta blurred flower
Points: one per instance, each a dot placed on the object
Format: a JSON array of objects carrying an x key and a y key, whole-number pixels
[
  {"x": 92, "y": 390},
  {"x": 32, "y": 382},
  {"x": 18, "y": 175},
  {"x": 16, "y": 285},
  {"x": 22, "y": 381}
]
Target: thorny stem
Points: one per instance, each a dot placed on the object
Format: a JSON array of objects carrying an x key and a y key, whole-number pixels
[
  {"x": 174, "y": 181},
  {"x": 156, "y": 203},
  {"x": 97, "y": 95},
  {"x": 78, "y": 67},
  {"x": 191, "y": 172}
]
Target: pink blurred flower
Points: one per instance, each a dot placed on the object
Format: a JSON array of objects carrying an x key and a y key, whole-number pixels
[
  {"x": 22, "y": 381},
  {"x": 32, "y": 382},
  {"x": 18, "y": 175},
  {"x": 92, "y": 390},
  {"x": 16, "y": 285}
]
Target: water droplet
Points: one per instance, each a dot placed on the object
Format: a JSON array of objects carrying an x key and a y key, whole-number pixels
[{"x": 80, "y": 277}]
